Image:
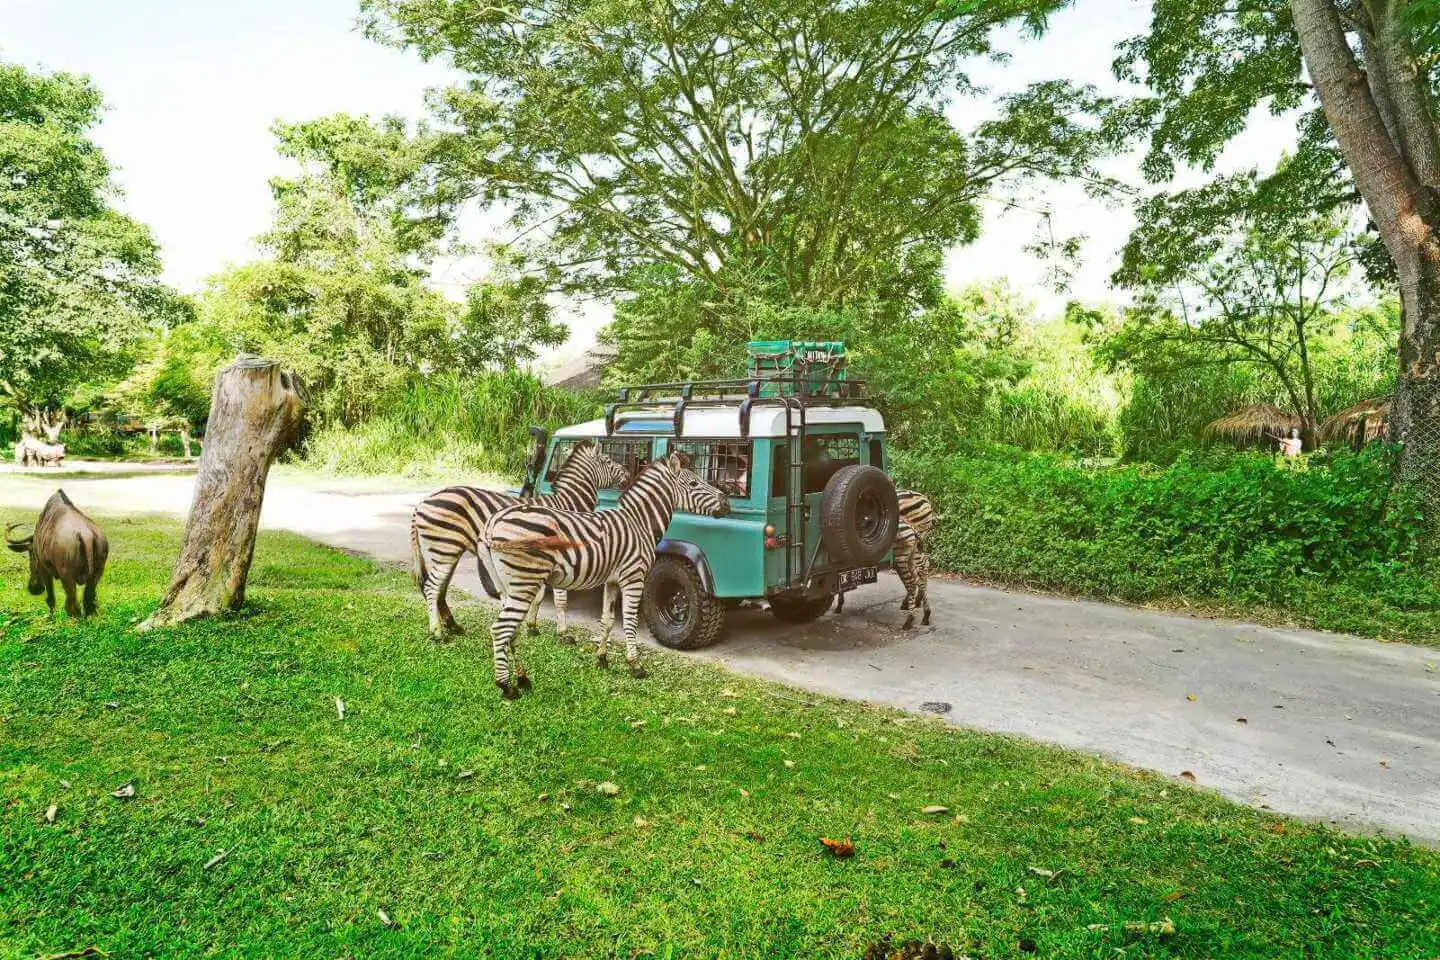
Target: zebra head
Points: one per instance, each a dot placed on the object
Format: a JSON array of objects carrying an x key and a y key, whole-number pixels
[
  {"x": 595, "y": 466},
  {"x": 692, "y": 494}
]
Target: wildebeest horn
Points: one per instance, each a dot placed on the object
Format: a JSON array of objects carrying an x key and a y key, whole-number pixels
[{"x": 21, "y": 545}]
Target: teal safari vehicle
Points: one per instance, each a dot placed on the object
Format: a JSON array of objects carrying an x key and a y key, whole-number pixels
[{"x": 803, "y": 458}]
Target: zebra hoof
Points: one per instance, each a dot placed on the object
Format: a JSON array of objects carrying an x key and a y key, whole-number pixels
[
  {"x": 637, "y": 670},
  {"x": 455, "y": 629},
  {"x": 567, "y": 637},
  {"x": 509, "y": 691},
  {"x": 523, "y": 682},
  {"x": 905, "y": 604},
  {"x": 603, "y": 662},
  {"x": 909, "y": 623},
  {"x": 925, "y": 620}
]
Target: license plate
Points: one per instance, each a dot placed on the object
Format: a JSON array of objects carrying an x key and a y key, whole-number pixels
[{"x": 850, "y": 579}]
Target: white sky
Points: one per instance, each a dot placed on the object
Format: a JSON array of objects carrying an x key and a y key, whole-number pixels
[{"x": 192, "y": 87}]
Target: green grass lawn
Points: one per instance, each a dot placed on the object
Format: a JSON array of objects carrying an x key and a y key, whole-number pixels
[{"x": 436, "y": 819}]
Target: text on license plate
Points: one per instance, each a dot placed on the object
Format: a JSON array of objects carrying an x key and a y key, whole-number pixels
[{"x": 850, "y": 579}]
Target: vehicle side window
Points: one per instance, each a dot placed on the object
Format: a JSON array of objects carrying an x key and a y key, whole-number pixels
[
  {"x": 724, "y": 464},
  {"x": 630, "y": 453},
  {"x": 825, "y": 454},
  {"x": 558, "y": 455},
  {"x": 779, "y": 470}
]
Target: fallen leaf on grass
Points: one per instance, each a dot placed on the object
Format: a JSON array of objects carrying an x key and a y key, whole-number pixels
[
  {"x": 730, "y": 711},
  {"x": 464, "y": 774},
  {"x": 82, "y": 952},
  {"x": 215, "y": 859},
  {"x": 50, "y": 813},
  {"x": 790, "y": 764},
  {"x": 1042, "y": 872},
  {"x": 641, "y": 822},
  {"x": 934, "y": 808},
  {"x": 1138, "y": 820},
  {"x": 1187, "y": 775},
  {"x": 1173, "y": 895},
  {"x": 124, "y": 793},
  {"x": 1161, "y": 928},
  {"x": 744, "y": 792},
  {"x": 838, "y": 848},
  {"x": 340, "y": 708},
  {"x": 1277, "y": 827},
  {"x": 727, "y": 692},
  {"x": 385, "y": 917},
  {"x": 606, "y": 788}
]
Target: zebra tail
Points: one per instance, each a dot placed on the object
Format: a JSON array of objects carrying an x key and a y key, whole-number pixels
[
  {"x": 534, "y": 544},
  {"x": 417, "y": 558}
]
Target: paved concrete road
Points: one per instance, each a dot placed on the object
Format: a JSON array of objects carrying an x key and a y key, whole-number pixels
[{"x": 1312, "y": 724}]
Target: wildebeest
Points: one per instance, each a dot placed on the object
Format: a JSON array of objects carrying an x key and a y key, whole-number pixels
[
  {"x": 66, "y": 545},
  {"x": 30, "y": 451}
]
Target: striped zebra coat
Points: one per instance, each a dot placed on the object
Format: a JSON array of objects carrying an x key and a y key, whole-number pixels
[
  {"x": 451, "y": 522},
  {"x": 912, "y": 563},
  {"x": 535, "y": 545}
]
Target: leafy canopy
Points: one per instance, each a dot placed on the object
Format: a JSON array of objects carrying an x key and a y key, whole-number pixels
[
  {"x": 727, "y": 156},
  {"x": 78, "y": 280}
]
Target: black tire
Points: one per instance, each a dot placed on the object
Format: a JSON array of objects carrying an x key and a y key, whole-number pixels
[
  {"x": 859, "y": 516},
  {"x": 679, "y": 611},
  {"x": 800, "y": 609}
]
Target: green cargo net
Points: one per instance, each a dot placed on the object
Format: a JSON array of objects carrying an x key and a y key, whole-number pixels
[{"x": 807, "y": 368}]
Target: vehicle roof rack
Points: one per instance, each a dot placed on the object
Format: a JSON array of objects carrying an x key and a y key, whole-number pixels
[{"x": 792, "y": 388}]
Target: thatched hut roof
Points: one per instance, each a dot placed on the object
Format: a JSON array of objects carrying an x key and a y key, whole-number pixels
[
  {"x": 1358, "y": 425},
  {"x": 1255, "y": 424}
]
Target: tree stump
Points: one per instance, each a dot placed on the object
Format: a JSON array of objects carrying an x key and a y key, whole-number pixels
[{"x": 255, "y": 415}]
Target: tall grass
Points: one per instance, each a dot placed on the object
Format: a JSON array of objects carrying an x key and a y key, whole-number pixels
[{"x": 449, "y": 425}]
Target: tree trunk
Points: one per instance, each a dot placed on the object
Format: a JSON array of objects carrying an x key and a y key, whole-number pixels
[
  {"x": 1388, "y": 136},
  {"x": 255, "y": 415}
]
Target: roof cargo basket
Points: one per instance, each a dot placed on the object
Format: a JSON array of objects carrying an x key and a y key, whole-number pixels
[{"x": 805, "y": 368}]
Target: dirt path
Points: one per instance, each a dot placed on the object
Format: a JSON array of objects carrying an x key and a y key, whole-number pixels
[{"x": 1312, "y": 724}]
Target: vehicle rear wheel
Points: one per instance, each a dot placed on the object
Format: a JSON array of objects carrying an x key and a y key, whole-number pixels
[
  {"x": 859, "y": 516},
  {"x": 679, "y": 611},
  {"x": 800, "y": 609}
]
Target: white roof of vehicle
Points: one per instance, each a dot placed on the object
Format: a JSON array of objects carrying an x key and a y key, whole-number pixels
[{"x": 723, "y": 422}]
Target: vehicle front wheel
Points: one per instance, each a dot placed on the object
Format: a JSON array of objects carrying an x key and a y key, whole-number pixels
[
  {"x": 800, "y": 610},
  {"x": 679, "y": 611}
]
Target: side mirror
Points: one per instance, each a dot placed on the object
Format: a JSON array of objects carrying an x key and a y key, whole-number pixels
[{"x": 537, "y": 460}]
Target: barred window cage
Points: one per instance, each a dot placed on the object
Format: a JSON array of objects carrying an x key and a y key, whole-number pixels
[
  {"x": 563, "y": 448},
  {"x": 632, "y": 454},
  {"x": 724, "y": 464}
]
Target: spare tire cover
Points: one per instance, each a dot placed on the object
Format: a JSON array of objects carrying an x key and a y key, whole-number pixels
[{"x": 859, "y": 516}]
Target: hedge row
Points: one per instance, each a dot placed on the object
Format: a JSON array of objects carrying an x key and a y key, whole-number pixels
[{"x": 1329, "y": 544}]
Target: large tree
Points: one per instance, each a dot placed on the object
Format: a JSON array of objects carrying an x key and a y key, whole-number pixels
[
  {"x": 342, "y": 298},
  {"x": 784, "y": 151},
  {"x": 1362, "y": 75},
  {"x": 78, "y": 280}
]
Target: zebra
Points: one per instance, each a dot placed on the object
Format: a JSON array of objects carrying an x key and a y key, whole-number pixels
[
  {"x": 450, "y": 522},
  {"x": 912, "y": 563},
  {"x": 535, "y": 545}
]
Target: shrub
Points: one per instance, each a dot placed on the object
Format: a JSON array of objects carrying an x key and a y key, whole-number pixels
[
  {"x": 449, "y": 424},
  {"x": 1328, "y": 544}
]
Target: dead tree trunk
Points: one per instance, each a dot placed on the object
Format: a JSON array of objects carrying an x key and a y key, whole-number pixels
[{"x": 255, "y": 415}]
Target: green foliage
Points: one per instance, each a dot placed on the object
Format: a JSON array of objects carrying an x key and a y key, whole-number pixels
[
  {"x": 1327, "y": 544},
  {"x": 475, "y": 825},
  {"x": 449, "y": 425},
  {"x": 342, "y": 299},
  {"x": 78, "y": 280},
  {"x": 790, "y": 153}
]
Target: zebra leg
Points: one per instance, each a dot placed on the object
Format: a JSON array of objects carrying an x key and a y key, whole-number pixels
[
  {"x": 607, "y": 623},
  {"x": 630, "y": 595},
  {"x": 562, "y": 604},
  {"x": 502, "y": 638},
  {"x": 924, "y": 578},
  {"x": 532, "y": 619},
  {"x": 839, "y": 603},
  {"x": 436, "y": 581},
  {"x": 907, "y": 571},
  {"x": 443, "y": 607}
]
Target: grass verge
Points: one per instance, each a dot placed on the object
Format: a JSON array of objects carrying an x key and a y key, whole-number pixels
[{"x": 434, "y": 818}]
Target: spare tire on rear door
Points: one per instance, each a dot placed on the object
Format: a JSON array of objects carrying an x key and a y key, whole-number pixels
[{"x": 859, "y": 516}]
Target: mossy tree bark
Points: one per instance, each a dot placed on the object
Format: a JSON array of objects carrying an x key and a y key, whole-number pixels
[{"x": 255, "y": 415}]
